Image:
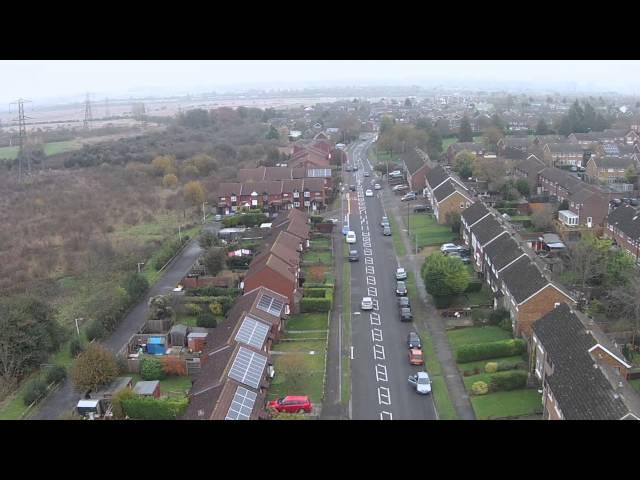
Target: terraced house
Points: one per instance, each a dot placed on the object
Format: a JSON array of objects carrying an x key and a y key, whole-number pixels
[
  {"x": 609, "y": 169},
  {"x": 447, "y": 195},
  {"x": 623, "y": 227},
  {"x": 563, "y": 154},
  {"x": 583, "y": 376}
]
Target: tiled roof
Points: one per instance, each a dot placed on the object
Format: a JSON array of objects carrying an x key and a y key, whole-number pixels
[
  {"x": 626, "y": 219},
  {"x": 577, "y": 382},
  {"x": 251, "y": 174},
  {"x": 487, "y": 229},
  {"x": 502, "y": 251},
  {"x": 273, "y": 263},
  {"x": 436, "y": 176},
  {"x": 227, "y": 188},
  {"x": 532, "y": 166},
  {"x": 522, "y": 278},
  {"x": 565, "y": 148},
  {"x": 272, "y": 188},
  {"x": 563, "y": 178},
  {"x": 474, "y": 213},
  {"x": 614, "y": 162}
]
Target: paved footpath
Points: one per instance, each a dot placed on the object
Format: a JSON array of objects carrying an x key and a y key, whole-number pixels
[{"x": 435, "y": 323}]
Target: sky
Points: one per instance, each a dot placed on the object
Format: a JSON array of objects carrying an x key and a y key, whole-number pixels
[{"x": 47, "y": 80}]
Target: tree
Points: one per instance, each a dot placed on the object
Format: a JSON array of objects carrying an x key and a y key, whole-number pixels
[
  {"x": 160, "y": 308},
  {"x": 588, "y": 259},
  {"x": 434, "y": 145},
  {"x": 164, "y": 165},
  {"x": 136, "y": 285},
  {"x": 631, "y": 175},
  {"x": 297, "y": 372},
  {"x": 491, "y": 170},
  {"x": 444, "y": 276},
  {"x": 94, "y": 367},
  {"x": 463, "y": 163},
  {"x": 424, "y": 123},
  {"x": 194, "y": 193},
  {"x": 497, "y": 122},
  {"x": 465, "y": 134},
  {"x": 452, "y": 219},
  {"x": 28, "y": 334},
  {"x": 625, "y": 300},
  {"x": 491, "y": 137},
  {"x": 207, "y": 239},
  {"x": 215, "y": 260},
  {"x": 152, "y": 369},
  {"x": 407, "y": 102},
  {"x": 273, "y": 134},
  {"x": 620, "y": 267},
  {"x": 205, "y": 164},
  {"x": 542, "y": 218},
  {"x": 523, "y": 187},
  {"x": 170, "y": 181},
  {"x": 542, "y": 128},
  {"x": 386, "y": 124}
]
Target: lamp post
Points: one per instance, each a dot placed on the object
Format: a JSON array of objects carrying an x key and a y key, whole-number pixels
[
  {"x": 139, "y": 264},
  {"x": 203, "y": 214}
]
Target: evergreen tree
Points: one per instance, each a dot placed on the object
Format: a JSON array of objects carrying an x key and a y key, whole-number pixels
[{"x": 542, "y": 128}]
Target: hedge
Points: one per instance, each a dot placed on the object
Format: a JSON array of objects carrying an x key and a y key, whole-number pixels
[
  {"x": 483, "y": 351},
  {"x": 248, "y": 220},
  {"x": 473, "y": 287},
  {"x": 315, "y": 292},
  {"x": 505, "y": 381},
  {"x": 204, "y": 302},
  {"x": 308, "y": 305},
  {"x": 34, "y": 391},
  {"x": 316, "y": 219},
  {"x": 442, "y": 302},
  {"x": 517, "y": 365},
  {"x": 212, "y": 291},
  {"x": 148, "y": 408},
  {"x": 168, "y": 250}
]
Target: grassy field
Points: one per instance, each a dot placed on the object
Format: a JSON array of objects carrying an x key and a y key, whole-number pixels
[
  {"x": 398, "y": 244},
  {"x": 507, "y": 404},
  {"x": 464, "y": 336},
  {"x": 428, "y": 231},
  {"x": 320, "y": 244},
  {"x": 308, "y": 321},
  {"x": 311, "y": 382},
  {"x": 173, "y": 384},
  {"x": 444, "y": 405},
  {"x": 10, "y": 153},
  {"x": 321, "y": 257}
]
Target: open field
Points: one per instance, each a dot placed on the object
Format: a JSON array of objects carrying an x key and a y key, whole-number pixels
[{"x": 10, "y": 153}]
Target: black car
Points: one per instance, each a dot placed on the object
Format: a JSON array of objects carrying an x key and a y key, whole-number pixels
[
  {"x": 421, "y": 208},
  {"x": 353, "y": 256},
  {"x": 413, "y": 340},
  {"x": 403, "y": 302},
  {"x": 406, "y": 315},
  {"x": 401, "y": 289},
  {"x": 352, "y": 188}
]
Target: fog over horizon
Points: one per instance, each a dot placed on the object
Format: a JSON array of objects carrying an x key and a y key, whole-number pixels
[{"x": 53, "y": 81}]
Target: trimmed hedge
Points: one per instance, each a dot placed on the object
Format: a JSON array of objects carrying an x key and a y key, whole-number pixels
[
  {"x": 479, "y": 388},
  {"x": 206, "y": 320},
  {"x": 473, "y": 287},
  {"x": 148, "y": 408},
  {"x": 442, "y": 302},
  {"x": 315, "y": 292},
  {"x": 212, "y": 291},
  {"x": 483, "y": 351},
  {"x": 310, "y": 305},
  {"x": 152, "y": 369},
  {"x": 517, "y": 365},
  {"x": 505, "y": 381}
]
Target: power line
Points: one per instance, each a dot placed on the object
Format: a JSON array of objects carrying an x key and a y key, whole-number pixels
[
  {"x": 87, "y": 113},
  {"x": 22, "y": 133}
]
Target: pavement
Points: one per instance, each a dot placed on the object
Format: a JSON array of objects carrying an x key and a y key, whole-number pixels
[
  {"x": 61, "y": 401},
  {"x": 433, "y": 321}
]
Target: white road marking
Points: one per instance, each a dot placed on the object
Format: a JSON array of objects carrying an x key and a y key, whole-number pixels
[
  {"x": 371, "y": 280},
  {"x": 352, "y": 353},
  {"x": 368, "y": 260},
  {"x": 375, "y": 304},
  {"x": 370, "y": 270},
  {"x": 372, "y": 291},
  {"x": 384, "y": 396},
  {"x": 376, "y": 335},
  {"x": 378, "y": 352},
  {"x": 386, "y": 416},
  {"x": 381, "y": 373},
  {"x": 375, "y": 319},
  {"x": 368, "y": 251}
]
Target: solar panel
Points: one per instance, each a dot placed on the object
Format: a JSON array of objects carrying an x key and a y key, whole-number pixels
[
  {"x": 270, "y": 305},
  {"x": 248, "y": 367},
  {"x": 241, "y": 405},
  {"x": 252, "y": 332}
]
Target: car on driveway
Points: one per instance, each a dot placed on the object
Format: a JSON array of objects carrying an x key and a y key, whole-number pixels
[
  {"x": 353, "y": 256},
  {"x": 465, "y": 258},
  {"x": 408, "y": 197},
  {"x": 384, "y": 222},
  {"x": 366, "y": 303},
  {"x": 218, "y": 218},
  {"x": 450, "y": 247},
  {"x": 366, "y": 174},
  {"x": 406, "y": 315},
  {"x": 416, "y": 357},
  {"x": 292, "y": 404},
  {"x": 401, "y": 274},
  {"x": 413, "y": 340},
  {"x": 368, "y": 193},
  {"x": 377, "y": 186},
  {"x": 421, "y": 208},
  {"x": 401, "y": 289},
  {"x": 400, "y": 188},
  {"x": 421, "y": 382},
  {"x": 387, "y": 231},
  {"x": 352, "y": 188},
  {"x": 403, "y": 302},
  {"x": 351, "y": 237}
]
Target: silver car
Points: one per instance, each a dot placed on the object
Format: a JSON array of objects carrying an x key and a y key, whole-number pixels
[{"x": 421, "y": 382}]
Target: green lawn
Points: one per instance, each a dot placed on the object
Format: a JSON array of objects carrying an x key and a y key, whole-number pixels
[
  {"x": 481, "y": 297},
  {"x": 308, "y": 321},
  {"x": 635, "y": 384},
  {"x": 481, "y": 377},
  {"x": 506, "y": 404},
  {"x": 310, "y": 383},
  {"x": 472, "y": 366},
  {"x": 320, "y": 244},
  {"x": 444, "y": 405},
  {"x": 184, "y": 319},
  {"x": 173, "y": 383},
  {"x": 398, "y": 244},
  {"x": 302, "y": 346},
  {"x": 428, "y": 231},
  {"x": 322, "y": 257},
  {"x": 10, "y": 153},
  {"x": 463, "y": 336}
]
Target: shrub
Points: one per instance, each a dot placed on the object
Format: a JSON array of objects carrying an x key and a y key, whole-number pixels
[
  {"x": 308, "y": 305},
  {"x": 496, "y": 316},
  {"x": 193, "y": 309},
  {"x": 239, "y": 263},
  {"x": 516, "y": 365},
  {"x": 443, "y": 302},
  {"x": 136, "y": 286},
  {"x": 505, "y": 324},
  {"x": 444, "y": 276},
  {"x": 491, "y": 367},
  {"x": 473, "y": 287},
  {"x": 34, "y": 391},
  {"x": 95, "y": 330},
  {"x": 75, "y": 347},
  {"x": 505, "y": 381},
  {"x": 482, "y": 351},
  {"x": 315, "y": 292},
  {"x": 94, "y": 367},
  {"x": 216, "y": 308},
  {"x": 478, "y": 314},
  {"x": 206, "y": 320},
  {"x": 212, "y": 291},
  {"x": 316, "y": 219},
  {"x": 56, "y": 374},
  {"x": 479, "y": 388},
  {"x": 117, "y": 399},
  {"x": 148, "y": 408},
  {"x": 152, "y": 369}
]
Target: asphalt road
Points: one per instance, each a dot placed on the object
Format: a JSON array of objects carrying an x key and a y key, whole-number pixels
[
  {"x": 380, "y": 363},
  {"x": 63, "y": 400}
]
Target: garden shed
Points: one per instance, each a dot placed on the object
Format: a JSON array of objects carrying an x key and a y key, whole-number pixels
[
  {"x": 148, "y": 388},
  {"x": 178, "y": 335},
  {"x": 156, "y": 345},
  {"x": 196, "y": 341}
]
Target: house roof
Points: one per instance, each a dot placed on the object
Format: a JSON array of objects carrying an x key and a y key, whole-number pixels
[
  {"x": 270, "y": 187},
  {"x": 614, "y": 162},
  {"x": 586, "y": 193},
  {"x": 251, "y": 174},
  {"x": 590, "y": 137},
  {"x": 522, "y": 278},
  {"x": 474, "y": 213},
  {"x": 227, "y": 188},
  {"x": 436, "y": 176},
  {"x": 515, "y": 142},
  {"x": 577, "y": 382},
  {"x": 569, "y": 182},
  {"x": 502, "y": 251},
  {"x": 413, "y": 161},
  {"x": 531, "y": 166},
  {"x": 274, "y": 263},
  {"x": 627, "y": 219},
  {"x": 564, "y": 148},
  {"x": 487, "y": 229},
  {"x": 448, "y": 188}
]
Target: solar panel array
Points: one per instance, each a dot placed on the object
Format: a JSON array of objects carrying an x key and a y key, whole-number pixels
[
  {"x": 241, "y": 405},
  {"x": 248, "y": 367},
  {"x": 252, "y": 332},
  {"x": 270, "y": 305},
  {"x": 319, "y": 172}
]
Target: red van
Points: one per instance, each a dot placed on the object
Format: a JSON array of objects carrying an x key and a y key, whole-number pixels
[{"x": 291, "y": 404}]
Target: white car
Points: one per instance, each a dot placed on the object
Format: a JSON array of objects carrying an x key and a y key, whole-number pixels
[
  {"x": 450, "y": 247},
  {"x": 368, "y": 193},
  {"x": 377, "y": 186},
  {"x": 421, "y": 382},
  {"x": 351, "y": 237},
  {"x": 366, "y": 304},
  {"x": 401, "y": 274}
]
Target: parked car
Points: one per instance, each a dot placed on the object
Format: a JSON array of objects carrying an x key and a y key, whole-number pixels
[
  {"x": 291, "y": 404},
  {"x": 413, "y": 340},
  {"x": 406, "y": 315},
  {"x": 347, "y": 168},
  {"x": 366, "y": 174},
  {"x": 377, "y": 186},
  {"x": 351, "y": 237},
  {"x": 408, "y": 197},
  {"x": 421, "y": 382},
  {"x": 366, "y": 303},
  {"x": 401, "y": 289},
  {"x": 368, "y": 193},
  {"x": 403, "y": 302},
  {"x": 400, "y": 188},
  {"x": 395, "y": 173},
  {"x": 421, "y": 208},
  {"x": 450, "y": 247},
  {"x": 384, "y": 222},
  {"x": 218, "y": 218},
  {"x": 387, "y": 231},
  {"x": 466, "y": 259},
  {"x": 352, "y": 188},
  {"x": 401, "y": 274},
  {"x": 416, "y": 357},
  {"x": 353, "y": 256},
  {"x": 355, "y": 168}
]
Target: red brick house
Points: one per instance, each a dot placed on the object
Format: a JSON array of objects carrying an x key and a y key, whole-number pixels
[
  {"x": 274, "y": 273},
  {"x": 622, "y": 225}
]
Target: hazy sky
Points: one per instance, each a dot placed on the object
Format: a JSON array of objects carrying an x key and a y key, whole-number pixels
[{"x": 40, "y": 80}]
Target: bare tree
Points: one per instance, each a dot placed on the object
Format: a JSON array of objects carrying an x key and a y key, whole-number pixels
[
  {"x": 626, "y": 302},
  {"x": 542, "y": 219}
]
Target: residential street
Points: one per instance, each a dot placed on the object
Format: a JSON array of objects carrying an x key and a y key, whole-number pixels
[{"x": 65, "y": 398}]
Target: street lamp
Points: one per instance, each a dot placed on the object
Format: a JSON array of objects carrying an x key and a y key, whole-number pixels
[
  {"x": 139, "y": 264},
  {"x": 203, "y": 214}
]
